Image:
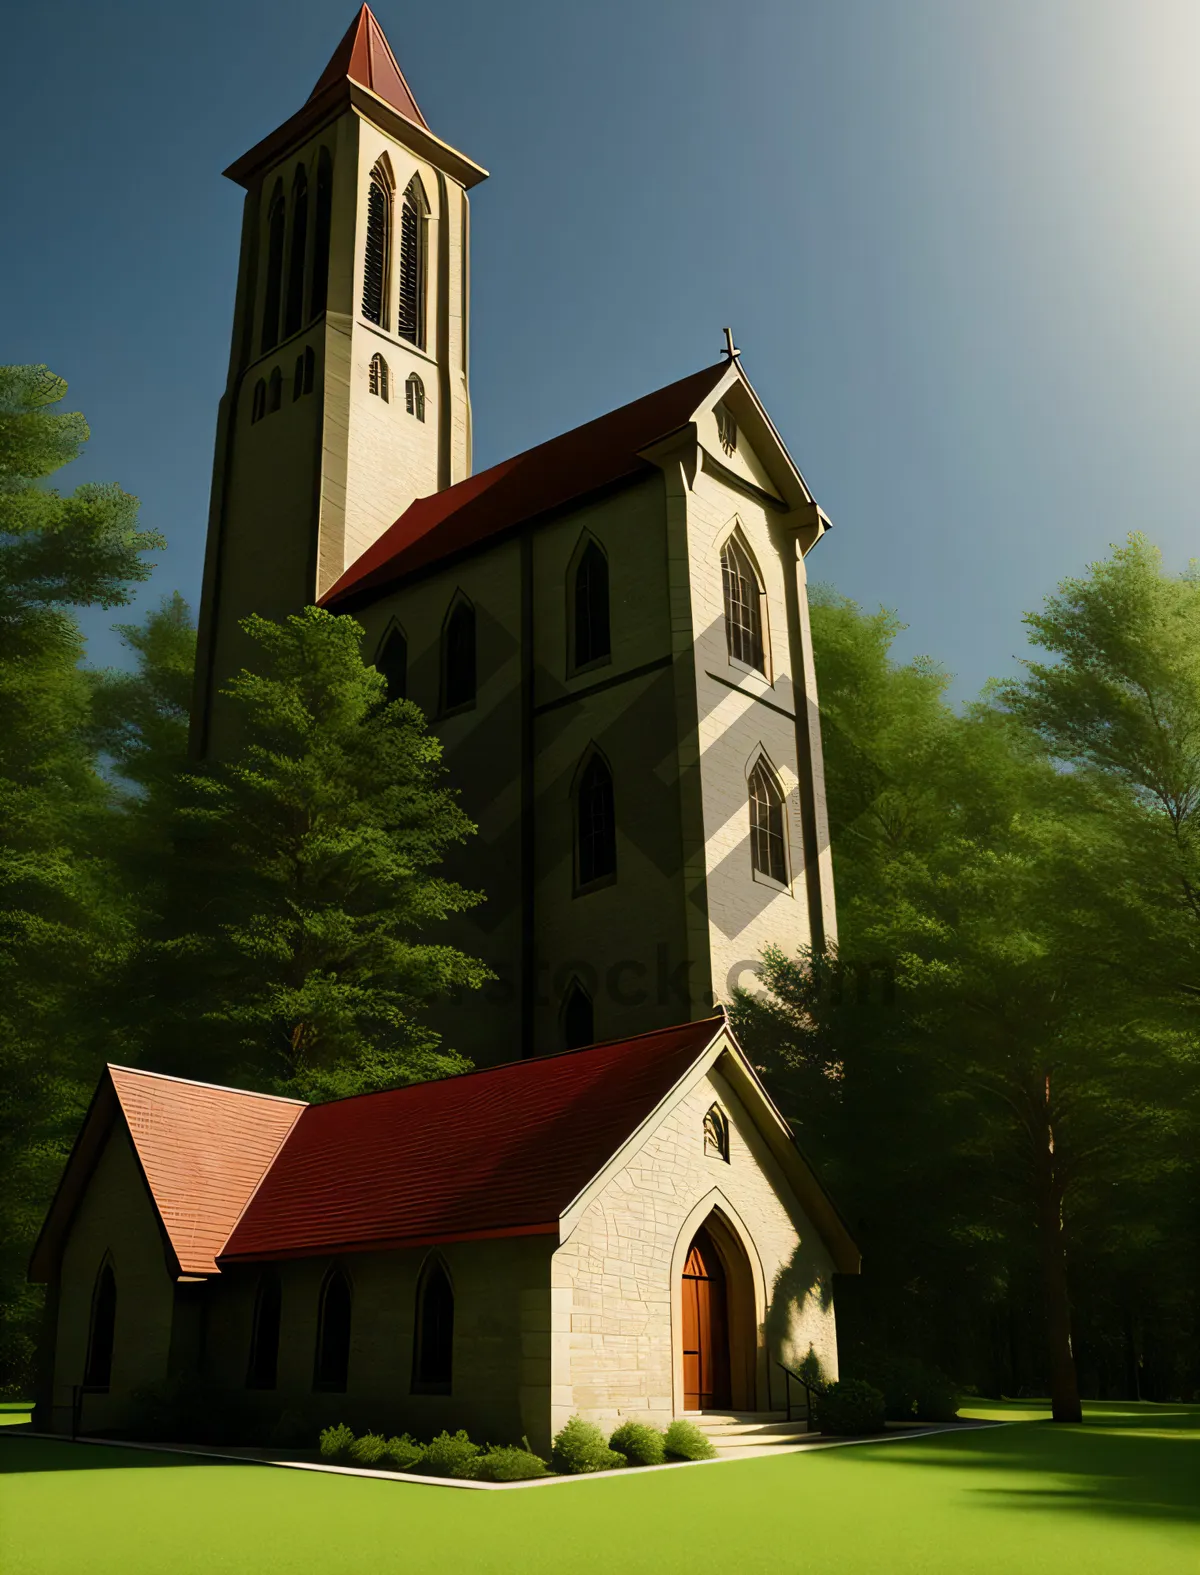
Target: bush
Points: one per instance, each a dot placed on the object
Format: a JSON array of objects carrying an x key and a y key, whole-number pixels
[
  {"x": 370, "y": 1450},
  {"x": 442, "y": 1456},
  {"x": 851, "y": 1406},
  {"x": 403, "y": 1452},
  {"x": 502, "y": 1464},
  {"x": 580, "y": 1447},
  {"x": 685, "y": 1441},
  {"x": 914, "y": 1391},
  {"x": 336, "y": 1443},
  {"x": 641, "y": 1444}
]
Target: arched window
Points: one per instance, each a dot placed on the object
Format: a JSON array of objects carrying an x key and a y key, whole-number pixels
[
  {"x": 595, "y": 825},
  {"x": 298, "y": 379},
  {"x": 458, "y": 657},
  {"x": 410, "y": 323},
  {"x": 264, "y": 1333},
  {"x": 258, "y": 404},
  {"x": 97, "y": 1373},
  {"x": 591, "y": 635},
  {"x": 768, "y": 849},
  {"x": 319, "y": 288},
  {"x": 392, "y": 662},
  {"x": 743, "y": 610},
  {"x": 726, "y": 430},
  {"x": 716, "y": 1133},
  {"x": 274, "y": 390},
  {"x": 377, "y": 377},
  {"x": 333, "y": 1333},
  {"x": 433, "y": 1343},
  {"x": 578, "y": 1018},
  {"x": 414, "y": 396},
  {"x": 276, "y": 220},
  {"x": 293, "y": 311},
  {"x": 375, "y": 259}
]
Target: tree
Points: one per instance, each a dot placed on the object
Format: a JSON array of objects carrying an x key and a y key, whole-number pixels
[{"x": 297, "y": 951}]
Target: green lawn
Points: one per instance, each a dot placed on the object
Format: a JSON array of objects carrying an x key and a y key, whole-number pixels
[{"x": 1121, "y": 1493}]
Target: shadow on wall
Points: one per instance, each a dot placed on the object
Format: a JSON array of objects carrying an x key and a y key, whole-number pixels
[{"x": 801, "y": 1277}]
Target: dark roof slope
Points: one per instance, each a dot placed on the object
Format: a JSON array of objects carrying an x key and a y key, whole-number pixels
[
  {"x": 501, "y": 1152},
  {"x": 599, "y": 454}
]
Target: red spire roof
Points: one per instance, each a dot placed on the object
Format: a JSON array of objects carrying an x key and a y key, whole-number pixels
[{"x": 365, "y": 56}]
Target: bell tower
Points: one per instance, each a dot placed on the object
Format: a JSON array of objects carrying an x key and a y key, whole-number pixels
[{"x": 348, "y": 390}]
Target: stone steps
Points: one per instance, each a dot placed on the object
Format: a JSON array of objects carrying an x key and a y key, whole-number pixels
[{"x": 736, "y": 1432}]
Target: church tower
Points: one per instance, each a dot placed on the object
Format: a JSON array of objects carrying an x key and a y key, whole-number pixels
[{"x": 348, "y": 391}]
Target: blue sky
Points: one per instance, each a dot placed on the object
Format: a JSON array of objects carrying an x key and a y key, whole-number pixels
[{"x": 958, "y": 242}]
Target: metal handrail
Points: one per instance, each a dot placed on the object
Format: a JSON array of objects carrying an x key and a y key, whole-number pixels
[{"x": 809, "y": 1391}]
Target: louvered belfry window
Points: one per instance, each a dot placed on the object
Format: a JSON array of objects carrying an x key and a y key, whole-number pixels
[
  {"x": 743, "y": 609},
  {"x": 319, "y": 288},
  {"x": 596, "y": 824},
  {"x": 375, "y": 262},
  {"x": 276, "y": 234},
  {"x": 410, "y": 324},
  {"x": 768, "y": 850},
  {"x": 293, "y": 313}
]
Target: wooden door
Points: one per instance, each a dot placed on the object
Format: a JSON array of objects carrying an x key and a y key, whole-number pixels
[{"x": 705, "y": 1328}]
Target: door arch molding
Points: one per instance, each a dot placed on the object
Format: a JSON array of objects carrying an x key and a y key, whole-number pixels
[{"x": 747, "y": 1299}]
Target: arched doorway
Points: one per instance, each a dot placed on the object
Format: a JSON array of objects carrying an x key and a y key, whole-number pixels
[{"x": 706, "y": 1384}]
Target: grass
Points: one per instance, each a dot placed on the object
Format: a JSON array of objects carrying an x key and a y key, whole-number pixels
[{"x": 1120, "y": 1493}]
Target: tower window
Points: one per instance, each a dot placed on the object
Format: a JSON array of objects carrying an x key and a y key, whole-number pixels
[
  {"x": 293, "y": 312},
  {"x": 274, "y": 390},
  {"x": 276, "y": 220},
  {"x": 264, "y": 1333},
  {"x": 333, "y": 1334},
  {"x": 458, "y": 658},
  {"x": 768, "y": 850},
  {"x": 591, "y": 634},
  {"x": 414, "y": 396},
  {"x": 433, "y": 1347},
  {"x": 310, "y": 369},
  {"x": 392, "y": 662},
  {"x": 258, "y": 403},
  {"x": 578, "y": 1018},
  {"x": 410, "y": 322},
  {"x": 743, "y": 609},
  {"x": 726, "y": 430},
  {"x": 596, "y": 826},
  {"x": 716, "y": 1133},
  {"x": 319, "y": 288},
  {"x": 298, "y": 379},
  {"x": 375, "y": 260},
  {"x": 97, "y": 1373},
  {"x": 377, "y": 377}
]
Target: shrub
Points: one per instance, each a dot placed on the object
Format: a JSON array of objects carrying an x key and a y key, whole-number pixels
[
  {"x": 914, "y": 1391},
  {"x": 685, "y": 1441},
  {"x": 403, "y": 1452},
  {"x": 502, "y": 1464},
  {"x": 851, "y": 1406},
  {"x": 370, "y": 1450},
  {"x": 811, "y": 1371},
  {"x": 580, "y": 1447},
  {"x": 641, "y": 1444},
  {"x": 336, "y": 1443},
  {"x": 444, "y": 1454}
]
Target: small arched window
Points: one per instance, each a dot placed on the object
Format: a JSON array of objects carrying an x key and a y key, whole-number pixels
[
  {"x": 274, "y": 390},
  {"x": 743, "y": 605},
  {"x": 595, "y": 825},
  {"x": 726, "y": 430},
  {"x": 591, "y": 633},
  {"x": 458, "y": 657},
  {"x": 258, "y": 404},
  {"x": 264, "y": 1333},
  {"x": 433, "y": 1344},
  {"x": 578, "y": 1018},
  {"x": 293, "y": 311},
  {"x": 333, "y": 1333},
  {"x": 276, "y": 232},
  {"x": 414, "y": 396},
  {"x": 377, "y": 377},
  {"x": 298, "y": 379},
  {"x": 716, "y": 1133},
  {"x": 768, "y": 848},
  {"x": 375, "y": 258},
  {"x": 319, "y": 288},
  {"x": 410, "y": 323},
  {"x": 392, "y": 662},
  {"x": 310, "y": 369},
  {"x": 102, "y": 1327}
]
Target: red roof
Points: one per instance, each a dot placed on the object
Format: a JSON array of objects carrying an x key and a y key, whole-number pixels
[
  {"x": 500, "y": 1152},
  {"x": 588, "y": 458},
  {"x": 365, "y": 56}
]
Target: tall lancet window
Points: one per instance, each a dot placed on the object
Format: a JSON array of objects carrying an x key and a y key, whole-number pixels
[
  {"x": 578, "y": 1018},
  {"x": 768, "y": 849},
  {"x": 743, "y": 605},
  {"x": 592, "y": 642},
  {"x": 433, "y": 1348},
  {"x": 319, "y": 288},
  {"x": 293, "y": 312},
  {"x": 410, "y": 324},
  {"x": 392, "y": 662},
  {"x": 595, "y": 825},
  {"x": 458, "y": 657},
  {"x": 375, "y": 257},
  {"x": 333, "y": 1333},
  {"x": 264, "y": 1333},
  {"x": 276, "y": 236},
  {"x": 97, "y": 1373}
]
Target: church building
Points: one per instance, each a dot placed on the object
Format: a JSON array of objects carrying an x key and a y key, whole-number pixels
[{"x": 609, "y": 635}]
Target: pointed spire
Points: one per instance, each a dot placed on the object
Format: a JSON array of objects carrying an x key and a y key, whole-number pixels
[{"x": 365, "y": 56}]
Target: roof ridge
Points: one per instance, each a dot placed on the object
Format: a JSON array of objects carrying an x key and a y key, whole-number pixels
[{"x": 196, "y": 1082}]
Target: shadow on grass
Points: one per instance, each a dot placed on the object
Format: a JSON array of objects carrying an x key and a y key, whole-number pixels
[
  {"x": 1130, "y": 1461},
  {"x": 20, "y": 1454}
]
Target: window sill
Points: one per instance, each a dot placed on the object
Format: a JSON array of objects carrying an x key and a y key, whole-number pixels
[
  {"x": 458, "y": 710},
  {"x": 589, "y": 667},
  {"x": 595, "y": 885},
  {"x": 775, "y": 885},
  {"x": 431, "y": 1389},
  {"x": 740, "y": 667}
]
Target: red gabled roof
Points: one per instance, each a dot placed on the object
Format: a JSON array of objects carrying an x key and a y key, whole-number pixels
[
  {"x": 599, "y": 454},
  {"x": 501, "y": 1152},
  {"x": 365, "y": 56}
]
